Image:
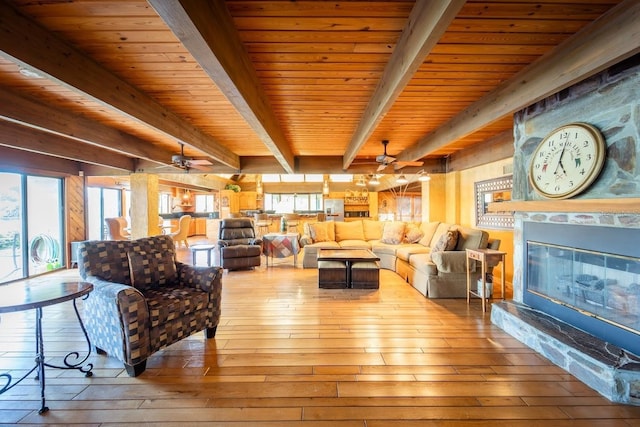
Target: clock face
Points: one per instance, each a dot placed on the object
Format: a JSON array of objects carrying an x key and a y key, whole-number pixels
[{"x": 567, "y": 161}]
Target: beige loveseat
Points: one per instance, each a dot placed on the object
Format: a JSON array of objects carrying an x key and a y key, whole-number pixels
[{"x": 430, "y": 256}]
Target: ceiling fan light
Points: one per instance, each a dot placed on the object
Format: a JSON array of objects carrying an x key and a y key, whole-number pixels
[{"x": 402, "y": 179}]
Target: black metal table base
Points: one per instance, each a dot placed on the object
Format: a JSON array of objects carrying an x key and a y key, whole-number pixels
[{"x": 71, "y": 360}]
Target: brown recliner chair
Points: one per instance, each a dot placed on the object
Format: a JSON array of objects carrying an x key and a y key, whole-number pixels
[{"x": 239, "y": 247}]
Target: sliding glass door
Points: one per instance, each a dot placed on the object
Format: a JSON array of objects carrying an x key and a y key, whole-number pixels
[
  {"x": 31, "y": 225},
  {"x": 44, "y": 223},
  {"x": 11, "y": 227}
]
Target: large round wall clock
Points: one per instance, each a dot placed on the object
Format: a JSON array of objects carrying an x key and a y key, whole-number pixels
[{"x": 567, "y": 161}]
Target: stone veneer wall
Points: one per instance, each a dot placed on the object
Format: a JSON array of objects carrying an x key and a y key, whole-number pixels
[{"x": 611, "y": 102}]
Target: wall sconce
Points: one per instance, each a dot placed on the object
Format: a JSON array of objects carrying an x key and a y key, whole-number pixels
[
  {"x": 325, "y": 188},
  {"x": 186, "y": 195},
  {"x": 259, "y": 188}
]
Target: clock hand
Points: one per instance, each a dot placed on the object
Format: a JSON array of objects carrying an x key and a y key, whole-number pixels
[
  {"x": 560, "y": 159},
  {"x": 562, "y": 166}
]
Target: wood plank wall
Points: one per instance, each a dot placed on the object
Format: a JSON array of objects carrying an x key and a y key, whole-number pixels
[{"x": 74, "y": 212}]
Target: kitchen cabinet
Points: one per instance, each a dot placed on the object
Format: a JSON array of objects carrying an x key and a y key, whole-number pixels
[
  {"x": 201, "y": 226},
  {"x": 247, "y": 200},
  {"x": 229, "y": 203},
  {"x": 197, "y": 226}
]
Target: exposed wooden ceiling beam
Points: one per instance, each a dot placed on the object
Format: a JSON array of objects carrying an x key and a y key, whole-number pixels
[
  {"x": 426, "y": 24},
  {"x": 498, "y": 147},
  {"x": 35, "y": 48},
  {"x": 208, "y": 32},
  {"x": 32, "y": 113},
  {"x": 610, "y": 39},
  {"x": 36, "y": 141},
  {"x": 21, "y": 161}
]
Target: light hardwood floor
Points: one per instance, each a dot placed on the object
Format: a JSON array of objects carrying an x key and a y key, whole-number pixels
[{"x": 290, "y": 354}]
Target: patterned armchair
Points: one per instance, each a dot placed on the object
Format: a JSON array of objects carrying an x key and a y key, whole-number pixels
[{"x": 143, "y": 300}]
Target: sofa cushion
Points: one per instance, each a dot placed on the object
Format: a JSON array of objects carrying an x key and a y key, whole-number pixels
[
  {"x": 380, "y": 248},
  {"x": 447, "y": 241},
  {"x": 412, "y": 233},
  {"x": 319, "y": 231},
  {"x": 372, "y": 229},
  {"x": 349, "y": 230},
  {"x": 151, "y": 268},
  {"x": 329, "y": 244},
  {"x": 354, "y": 244},
  {"x": 393, "y": 232},
  {"x": 407, "y": 250},
  {"x": 429, "y": 229}
]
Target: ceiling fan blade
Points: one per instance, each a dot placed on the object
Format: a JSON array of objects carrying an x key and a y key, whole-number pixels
[
  {"x": 382, "y": 167},
  {"x": 200, "y": 162}
]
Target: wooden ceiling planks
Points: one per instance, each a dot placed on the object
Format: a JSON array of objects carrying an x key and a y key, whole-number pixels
[{"x": 318, "y": 62}]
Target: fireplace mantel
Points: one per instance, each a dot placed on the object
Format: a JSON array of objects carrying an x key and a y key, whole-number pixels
[{"x": 630, "y": 205}]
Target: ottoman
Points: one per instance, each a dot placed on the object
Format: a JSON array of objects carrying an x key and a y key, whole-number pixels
[
  {"x": 332, "y": 274},
  {"x": 365, "y": 275}
]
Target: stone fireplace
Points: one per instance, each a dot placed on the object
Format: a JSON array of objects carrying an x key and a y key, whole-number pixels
[
  {"x": 576, "y": 304},
  {"x": 576, "y": 281}
]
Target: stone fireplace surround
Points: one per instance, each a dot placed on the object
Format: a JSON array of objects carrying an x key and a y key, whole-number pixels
[
  {"x": 607, "y": 368},
  {"x": 611, "y": 102}
]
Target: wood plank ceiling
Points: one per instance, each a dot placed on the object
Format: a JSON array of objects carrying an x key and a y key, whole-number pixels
[{"x": 288, "y": 86}]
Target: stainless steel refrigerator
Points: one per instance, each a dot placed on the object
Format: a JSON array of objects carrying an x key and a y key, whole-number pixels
[{"x": 334, "y": 209}]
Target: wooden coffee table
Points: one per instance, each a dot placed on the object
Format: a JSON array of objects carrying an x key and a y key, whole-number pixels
[{"x": 348, "y": 256}]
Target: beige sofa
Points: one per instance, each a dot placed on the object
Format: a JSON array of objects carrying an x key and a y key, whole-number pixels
[{"x": 430, "y": 256}]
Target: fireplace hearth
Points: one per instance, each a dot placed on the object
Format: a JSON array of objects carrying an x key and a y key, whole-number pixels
[{"x": 610, "y": 370}]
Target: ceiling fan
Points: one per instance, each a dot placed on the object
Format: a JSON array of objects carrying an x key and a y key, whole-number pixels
[
  {"x": 385, "y": 160},
  {"x": 187, "y": 162}
]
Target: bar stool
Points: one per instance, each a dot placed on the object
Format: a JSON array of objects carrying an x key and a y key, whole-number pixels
[
  {"x": 261, "y": 223},
  {"x": 292, "y": 222}
]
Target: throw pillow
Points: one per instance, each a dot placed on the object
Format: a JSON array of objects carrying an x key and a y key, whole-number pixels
[
  {"x": 349, "y": 231},
  {"x": 151, "y": 268},
  {"x": 319, "y": 232},
  {"x": 446, "y": 242},
  {"x": 393, "y": 232},
  {"x": 413, "y": 234}
]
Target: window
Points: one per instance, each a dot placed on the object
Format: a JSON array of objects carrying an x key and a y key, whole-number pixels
[
  {"x": 31, "y": 226},
  {"x": 205, "y": 203},
  {"x": 164, "y": 204},
  {"x": 289, "y": 203},
  {"x": 101, "y": 203}
]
